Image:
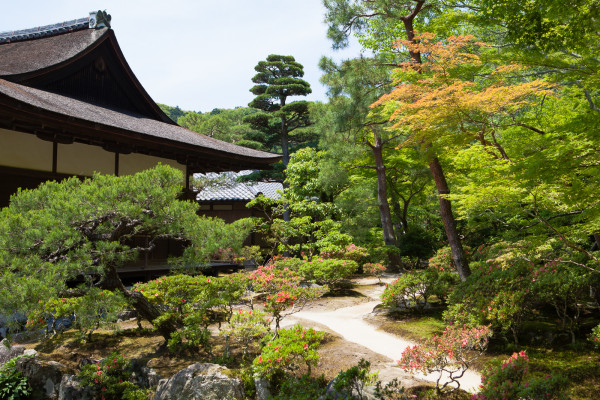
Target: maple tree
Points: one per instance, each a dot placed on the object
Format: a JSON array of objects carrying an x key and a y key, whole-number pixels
[{"x": 448, "y": 98}]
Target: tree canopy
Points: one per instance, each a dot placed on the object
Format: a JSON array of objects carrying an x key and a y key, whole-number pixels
[{"x": 82, "y": 231}]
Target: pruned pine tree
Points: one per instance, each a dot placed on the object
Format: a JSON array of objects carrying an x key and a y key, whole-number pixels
[{"x": 277, "y": 79}]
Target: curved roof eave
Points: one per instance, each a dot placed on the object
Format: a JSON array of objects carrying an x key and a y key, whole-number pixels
[{"x": 33, "y": 59}]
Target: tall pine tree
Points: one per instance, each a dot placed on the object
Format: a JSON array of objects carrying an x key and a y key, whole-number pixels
[{"x": 278, "y": 78}]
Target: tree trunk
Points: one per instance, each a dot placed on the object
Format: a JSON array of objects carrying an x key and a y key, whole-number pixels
[
  {"x": 285, "y": 160},
  {"x": 458, "y": 254},
  {"x": 389, "y": 238},
  {"x": 144, "y": 308}
]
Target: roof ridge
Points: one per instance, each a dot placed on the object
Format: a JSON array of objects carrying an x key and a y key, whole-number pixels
[{"x": 44, "y": 31}]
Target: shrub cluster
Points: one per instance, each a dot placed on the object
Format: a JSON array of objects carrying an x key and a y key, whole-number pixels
[
  {"x": 507, "y": 380},
  {"x": 323, "y": 271},
  {"x": 288, "y": 351},
  {"x": 412, "y": 290},
  {"x": 192, "y": 303},
  {"x": 505, "y": 295},
  {"x": 282, "y": 291},
  {"x": 109, "y": 379}
]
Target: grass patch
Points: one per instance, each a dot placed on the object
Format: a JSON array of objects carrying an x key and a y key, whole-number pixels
[{"x": 415, "y": 327}]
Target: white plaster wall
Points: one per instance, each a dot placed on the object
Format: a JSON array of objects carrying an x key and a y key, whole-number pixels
[
  {"x": 132, "y": 163},
  {"x": 83, "y": 159},
  {"x": 23, "y": 150}
]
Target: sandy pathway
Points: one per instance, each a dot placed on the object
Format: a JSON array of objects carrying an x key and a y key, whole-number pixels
[{"x": 348, "y": 322}]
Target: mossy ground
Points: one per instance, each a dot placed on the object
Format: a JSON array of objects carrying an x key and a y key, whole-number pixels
[{"x": 578, "y": 363}]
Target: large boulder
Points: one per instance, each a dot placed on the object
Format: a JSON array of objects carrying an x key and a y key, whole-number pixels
[
  {"x": 200, "y": 382},
  {"x": 7, "y": 351},
  {"x": 263, "y": 388},
  {"x": 44, "y": 377}
]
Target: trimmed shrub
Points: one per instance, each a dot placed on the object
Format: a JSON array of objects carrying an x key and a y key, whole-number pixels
[
  {"x": 507, "y": 380},
  {"x": 330, "y": 272},
  {"x": 286, "y": 353},
  {"x": 413, "y": 289},
  {"x": 109, "y": 379}
]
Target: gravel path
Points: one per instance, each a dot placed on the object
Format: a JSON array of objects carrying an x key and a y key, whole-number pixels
[{"x": 349, "y": 323}]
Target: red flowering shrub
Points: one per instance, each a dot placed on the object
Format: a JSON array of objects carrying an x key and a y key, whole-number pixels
[
  {"x": 109, "y": 379},
  {"x": 506, "y": 380},
  {"x": 595, "y": 336},
  {"x": 499, "y": 296},
  {"x": 449, "y": 354},
  {"x": 374, "y": 269},
  {"x": 293, "y": 347},
  {"x": 284, "y": 294}
]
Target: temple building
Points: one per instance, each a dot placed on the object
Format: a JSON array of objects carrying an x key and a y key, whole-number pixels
[{"x": 71, "y": 105}]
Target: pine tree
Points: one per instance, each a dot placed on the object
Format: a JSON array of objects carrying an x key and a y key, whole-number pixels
[{"x": 278, "y": 78}]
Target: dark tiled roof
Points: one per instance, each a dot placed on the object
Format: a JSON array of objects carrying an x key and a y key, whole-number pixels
[
  {"x": 241, "y": 192},
  {"x": 43, "y": 31},
  {"x": 76, "y": 110},
  {"x": 33, "y": 55}
]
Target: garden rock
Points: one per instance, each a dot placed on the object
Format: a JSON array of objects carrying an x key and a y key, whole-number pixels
[
  {"x": 44, "y": 377},
  {"x": 143, "y": 376},
  {"x": 200, "y": 382},
  {"x": 8, "y": 352},
  {"x": 70, "y": 389},
  {"x": 263, "y": 388},
  {"x": 126, "y": 315}
]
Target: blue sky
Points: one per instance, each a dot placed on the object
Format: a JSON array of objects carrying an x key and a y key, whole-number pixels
[{"x": 199, "y": 54}]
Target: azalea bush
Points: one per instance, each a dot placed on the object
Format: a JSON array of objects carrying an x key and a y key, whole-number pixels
[
  {"x": 247, "y": 328},
  {"x": 282, "y": 291},
  {"x": 494, "y": 295},
  {"x": 508, "y": 380},
  {"x": 323, "y": 271},
  {"x": 595, "y": 336},
  {"x": 374, "y": 269},
  {"x": 353, "y": 380},
  {"x": 293, "y": 348},
  {"x": 349, "y": 252},
  {"x": 109, "y": 379},
  {"x": 506, "y": 293},
  {"x": 449, "y": 355},
  {"x": 567, "y": 289},
  {"x": 330, "y": 272},
  {"x": 173, "y": 295},
  {"x": 290, "y": 263},
  {"x": 410, "y": 290},
  {"x": 413, "y": 290},
  {"x": 192, "y": 303}
]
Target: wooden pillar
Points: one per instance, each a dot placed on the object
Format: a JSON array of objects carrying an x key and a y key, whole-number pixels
[
  {"x": 117, "y": 163},
  {"x": 54, "y": 156},
  {"x": 187, "y": 178}
]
